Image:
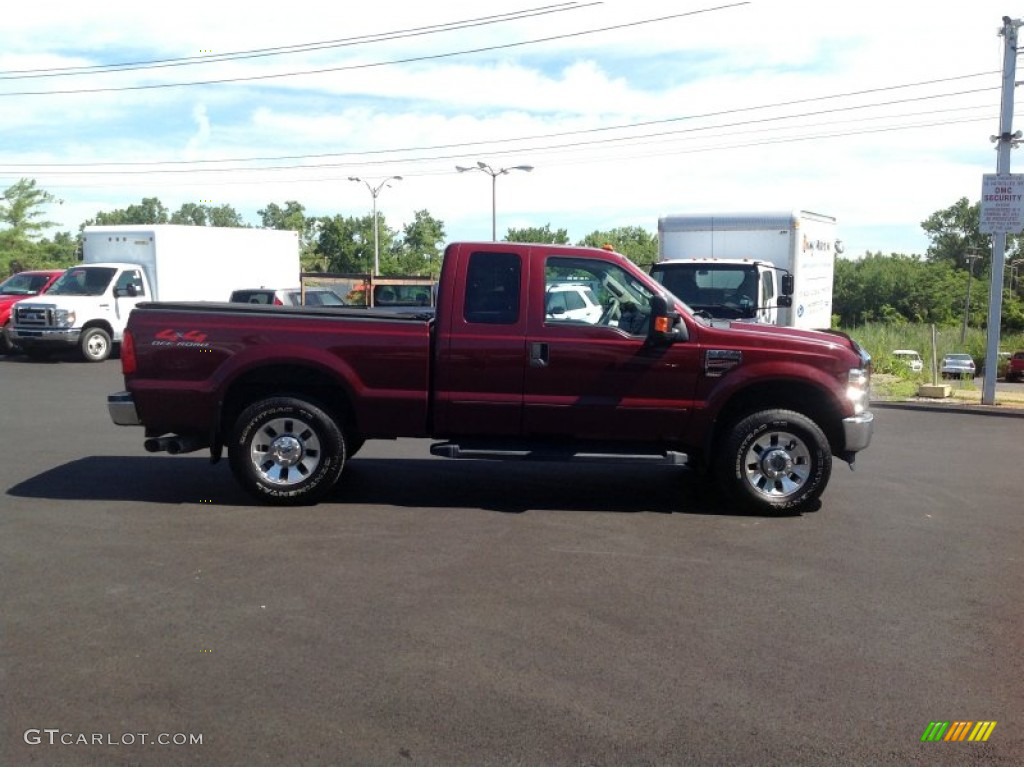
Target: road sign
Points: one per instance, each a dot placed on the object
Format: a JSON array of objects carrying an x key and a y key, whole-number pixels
[{"x": 1002, "y": 203}]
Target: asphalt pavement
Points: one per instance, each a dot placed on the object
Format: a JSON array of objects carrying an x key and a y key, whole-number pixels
[{"x": 475, "y": 613}]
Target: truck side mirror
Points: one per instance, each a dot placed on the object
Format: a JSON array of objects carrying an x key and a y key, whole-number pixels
[
  {"x": 786, "y": 285},
  {"x": 663, "y": 329},
  {"x": 785, "y": 301}
]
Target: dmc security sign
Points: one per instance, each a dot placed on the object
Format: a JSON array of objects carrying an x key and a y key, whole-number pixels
[{"x": 1002, "y": 203}]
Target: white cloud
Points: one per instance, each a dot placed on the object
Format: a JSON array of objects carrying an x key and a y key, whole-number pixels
[{"x": 497, "y": 104}]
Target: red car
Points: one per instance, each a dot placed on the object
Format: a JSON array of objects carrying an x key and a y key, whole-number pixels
[
  {"x": 1015, "y": 371},
  {"x": 18, "y": 287}
]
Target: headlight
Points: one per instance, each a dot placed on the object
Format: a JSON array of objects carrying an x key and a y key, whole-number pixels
[
  {"x": 858, "y": 389},
  {"x": 64, "y": 318}
]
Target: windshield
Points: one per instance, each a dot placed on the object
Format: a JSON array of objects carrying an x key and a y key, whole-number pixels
[
  {"x": 23, "y": 285},
  {"x": 83, "y": 281},
  {"x": 722, "y": 290}
]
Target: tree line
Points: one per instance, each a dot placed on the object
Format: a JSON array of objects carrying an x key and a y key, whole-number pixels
[
  {"x": 894, "y": 288},
  {"x": 337, "y": 243}
]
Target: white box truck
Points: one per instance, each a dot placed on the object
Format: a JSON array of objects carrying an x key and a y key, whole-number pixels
[
  {"x": 774, "y": 267},
  {"x": 121, "y": 266}
]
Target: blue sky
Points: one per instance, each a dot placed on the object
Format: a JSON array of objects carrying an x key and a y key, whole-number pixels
[{"x": 878, "y": 113}]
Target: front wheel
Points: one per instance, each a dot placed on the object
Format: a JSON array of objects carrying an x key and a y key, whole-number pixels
[
  {"x": 94, "y": 345},
  {"x": 286, "y": 451},
  {"x": 775, "y": 461},
  {"x": 6, "y": 345}
]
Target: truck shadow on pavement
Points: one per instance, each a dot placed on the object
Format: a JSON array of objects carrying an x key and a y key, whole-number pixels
[{"x": 504, "y": 487}]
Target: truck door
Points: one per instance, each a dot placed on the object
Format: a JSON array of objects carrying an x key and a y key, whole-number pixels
[
  {"x": 129, "y": 290},
  {"x": 597, "y": 378},
  {"x": 481, "y": 353}
]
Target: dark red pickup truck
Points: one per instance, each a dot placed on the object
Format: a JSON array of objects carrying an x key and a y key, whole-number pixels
[{"x": 499, "y": 371}]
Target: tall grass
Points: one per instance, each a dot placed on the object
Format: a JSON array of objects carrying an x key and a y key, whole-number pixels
[{"x": 880, "y": 339}]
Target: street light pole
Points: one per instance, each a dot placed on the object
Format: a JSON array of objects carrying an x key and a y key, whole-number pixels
[
  {"x": 374, "y": 191},
  {"x": 494, "y": 173},
  {"x": 970, "y": 258},
  {"x": 1014, "y": 266}
]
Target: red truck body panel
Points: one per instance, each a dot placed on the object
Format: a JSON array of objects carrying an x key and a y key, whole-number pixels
[{"x": 188, "y": 356}]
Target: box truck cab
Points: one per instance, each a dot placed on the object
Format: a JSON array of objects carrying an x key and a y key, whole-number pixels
[
  {"x": 733, "y": 289},
  {"x": 774, "y": 267},
  {"x": 89, "y": 305}
]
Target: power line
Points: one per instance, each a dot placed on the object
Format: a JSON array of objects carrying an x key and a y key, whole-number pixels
[
  {"x": 26, "y": 74},
  {"x": 643, "y": 139},
  {"x": 371, "y": 65},
  {"x": 156, "y": 166}
]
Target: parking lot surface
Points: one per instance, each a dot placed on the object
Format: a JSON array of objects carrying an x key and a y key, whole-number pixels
[{"x": 473, "y": 613}]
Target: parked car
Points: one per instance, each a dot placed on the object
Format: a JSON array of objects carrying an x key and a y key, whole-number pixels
[
  {"x": 568, "y": 301},
  {"x": 18, "y": 287},
  {"x": 910, "y": 358},
  {"x": 1015, "y": 371},
  {"x": 288, "y": 297},
  {"x": 957, "y": 366}
]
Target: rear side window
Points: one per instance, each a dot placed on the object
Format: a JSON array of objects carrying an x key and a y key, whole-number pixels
[{"x": 493, "y": 283}]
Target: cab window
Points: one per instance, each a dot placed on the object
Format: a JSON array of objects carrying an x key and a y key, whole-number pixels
[
  {"x": 597, "y": 293},
  {"x": 493, "y": 283}
]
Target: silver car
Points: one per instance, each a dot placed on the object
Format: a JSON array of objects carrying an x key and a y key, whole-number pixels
[{"x": 957, "y": 366}]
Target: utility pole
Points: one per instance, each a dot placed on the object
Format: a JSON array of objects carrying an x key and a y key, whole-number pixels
[
  {"x": 970, "y": 258},
  {"x": 1005, "y": 141}
]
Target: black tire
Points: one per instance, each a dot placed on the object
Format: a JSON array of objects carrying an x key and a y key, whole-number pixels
[
  {"x": 775, "y": 461},
  {"x": 6, "y": 345},
  {"x": 95, "y": 345},
  {"x": 286, "y": 451}
]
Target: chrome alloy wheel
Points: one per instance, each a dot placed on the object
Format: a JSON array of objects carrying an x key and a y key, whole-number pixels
[
  {"x": 777, "y": 464},
  {"x": 285, "y": 451}
]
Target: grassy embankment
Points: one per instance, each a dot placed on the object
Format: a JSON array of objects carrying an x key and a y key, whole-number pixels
[{"x": 893, "y": 379}]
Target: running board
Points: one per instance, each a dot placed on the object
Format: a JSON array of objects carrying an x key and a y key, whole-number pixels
[{"x": 449, "y": 450}]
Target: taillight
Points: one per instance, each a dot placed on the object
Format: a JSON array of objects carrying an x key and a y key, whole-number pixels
[{"x": 128, "y": 362}]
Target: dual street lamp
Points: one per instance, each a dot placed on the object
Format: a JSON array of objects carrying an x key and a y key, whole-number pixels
[
  {"x": 374, "y": 191},
  {"x": 494, "y": 173}
]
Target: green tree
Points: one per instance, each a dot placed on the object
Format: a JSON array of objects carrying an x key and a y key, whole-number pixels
[
  {"x": 636, "y": 243},
  {"x": 224, "y": 216},
  {"x": 192, "y": 214},
  {"x": 420, "y": 249},
  {"x": 21, "y": 210},
  {"x": 149, "y": 211},
  {"x": 345, "y": 243},
  {"x": 60, "y": 251},
  {"x": 201, "y": 215},
  {"x": 537, "y": 235},
  {"x": 956, "y": 230}
]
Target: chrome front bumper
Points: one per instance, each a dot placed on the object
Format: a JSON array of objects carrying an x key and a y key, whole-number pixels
[
  {"x": 48, "y": 336},
  {"x": 121, "y": 406},
  {"x": 857, "y": 431}
]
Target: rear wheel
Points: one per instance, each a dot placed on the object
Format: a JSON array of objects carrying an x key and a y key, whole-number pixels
[
  {"x": 286, "y": 450},
  {"x": 775, "y": 461}
]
